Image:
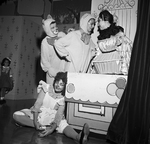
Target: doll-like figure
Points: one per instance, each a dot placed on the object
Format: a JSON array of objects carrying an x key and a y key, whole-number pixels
[
  {"x": 6, "y": 79},
  {"x": 47, "y": 114},
  {"x": 114, "y": 46}
]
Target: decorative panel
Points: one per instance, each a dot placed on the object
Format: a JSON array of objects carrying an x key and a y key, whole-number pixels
[{"x": 93, "y": 98}]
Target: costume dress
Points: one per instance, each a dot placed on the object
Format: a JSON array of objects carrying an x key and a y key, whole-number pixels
[
  {"x": 76, "y": 49},
  {"x": 6, "y": 78},
  {"x": 115, "y": 56},
  {"x": 51, "y": 62},
  {"x": 50, "y": 108}
]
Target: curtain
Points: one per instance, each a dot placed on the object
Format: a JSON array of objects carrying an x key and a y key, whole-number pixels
[{"x": 130, "y": 124}]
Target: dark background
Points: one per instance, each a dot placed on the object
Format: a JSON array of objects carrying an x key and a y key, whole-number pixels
[{"x": 68, "y": 11}]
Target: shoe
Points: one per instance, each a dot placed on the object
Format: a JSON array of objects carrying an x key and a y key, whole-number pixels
[{"x": 84, "y": 134}]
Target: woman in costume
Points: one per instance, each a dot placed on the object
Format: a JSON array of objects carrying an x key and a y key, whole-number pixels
[
  {"x": 77, "y": 46},
  {"x": 114, "y": 46},
  {"x": 47, "y": 114}
]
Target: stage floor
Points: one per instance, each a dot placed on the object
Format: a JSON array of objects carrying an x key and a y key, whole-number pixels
[{"x": 12, "y": 134}]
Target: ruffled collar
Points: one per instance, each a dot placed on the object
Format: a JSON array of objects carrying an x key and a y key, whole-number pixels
[
  {"x": 55, "y": 95},
  {"x": 5, "y": 69},
  {"x": 110, "y": 31},
  {"x": 51, "y": 40}
]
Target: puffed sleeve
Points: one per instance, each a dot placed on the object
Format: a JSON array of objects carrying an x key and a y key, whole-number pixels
[
  {"x": 42, "y": 89},
  {"x": 43, "y": 86},
  {"x": 107, "y": 45}
]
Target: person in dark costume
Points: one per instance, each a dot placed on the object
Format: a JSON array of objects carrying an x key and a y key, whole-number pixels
[{"x": 6, "y": 79}]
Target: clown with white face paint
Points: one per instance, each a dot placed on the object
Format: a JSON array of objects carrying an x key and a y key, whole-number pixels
[
  {"x": 51, "y": 62},
  {"x": 77, "y": 46}
]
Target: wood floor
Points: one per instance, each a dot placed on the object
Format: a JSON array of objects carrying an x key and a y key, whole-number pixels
[{"x": 12, "y": 134}]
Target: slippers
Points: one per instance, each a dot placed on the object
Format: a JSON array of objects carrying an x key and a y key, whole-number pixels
[{"x": 84, "y": 134}]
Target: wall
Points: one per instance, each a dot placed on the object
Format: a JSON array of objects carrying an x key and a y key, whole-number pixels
[
  {"x": 33, "y": 9},
  {"x": 19, "y": 38},
  {"x": 65, "y": 27},
  {"x": 8, "y": 9}
]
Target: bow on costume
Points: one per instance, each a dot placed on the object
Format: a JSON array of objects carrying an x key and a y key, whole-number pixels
[
  {"x": 85, "y": 38},
  {"x": 51, "y": 41}
]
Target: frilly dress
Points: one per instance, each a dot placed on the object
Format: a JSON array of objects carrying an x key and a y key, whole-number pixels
[
  {"x": 6, "y": 78},
  {"x": 115, "y": 55},
  {"x": 47, "y": 107}
]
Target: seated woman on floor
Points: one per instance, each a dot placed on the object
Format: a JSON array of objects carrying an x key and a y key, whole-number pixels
[
  {"x": 47, "y": 114},
  {"x": 114, "y": 46}
]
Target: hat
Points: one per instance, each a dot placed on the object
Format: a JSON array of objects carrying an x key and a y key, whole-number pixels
[
  {"x": 46, "y": 26},
  {"x": 84, "y": 21}
]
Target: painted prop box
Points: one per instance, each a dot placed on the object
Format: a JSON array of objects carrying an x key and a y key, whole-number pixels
[{"x": 93, "y": 98}]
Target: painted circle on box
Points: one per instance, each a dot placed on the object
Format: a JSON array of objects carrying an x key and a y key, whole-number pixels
[
  {"x": 70, "y": 88},
  {"x": 119, "y": 93},
  {"x": 111, "y": 89},
  {"x": 121, "y": 83}
]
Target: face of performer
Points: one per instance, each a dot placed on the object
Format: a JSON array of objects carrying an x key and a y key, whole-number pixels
[
  {"x": 59, "y": 86},
  {"x": 54, "y": 28},
  {"x": 102, "y": 24},
  {"x": 91, "y": 25}
]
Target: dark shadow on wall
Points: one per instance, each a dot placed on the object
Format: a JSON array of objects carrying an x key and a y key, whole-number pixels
[{"x": 40, "y": 74}]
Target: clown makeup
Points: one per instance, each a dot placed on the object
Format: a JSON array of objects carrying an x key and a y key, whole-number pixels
[
  {"x": 90, "y": 26},
  {"x": 54, "y": 28},
  {"x": 59, "y": 86}
]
